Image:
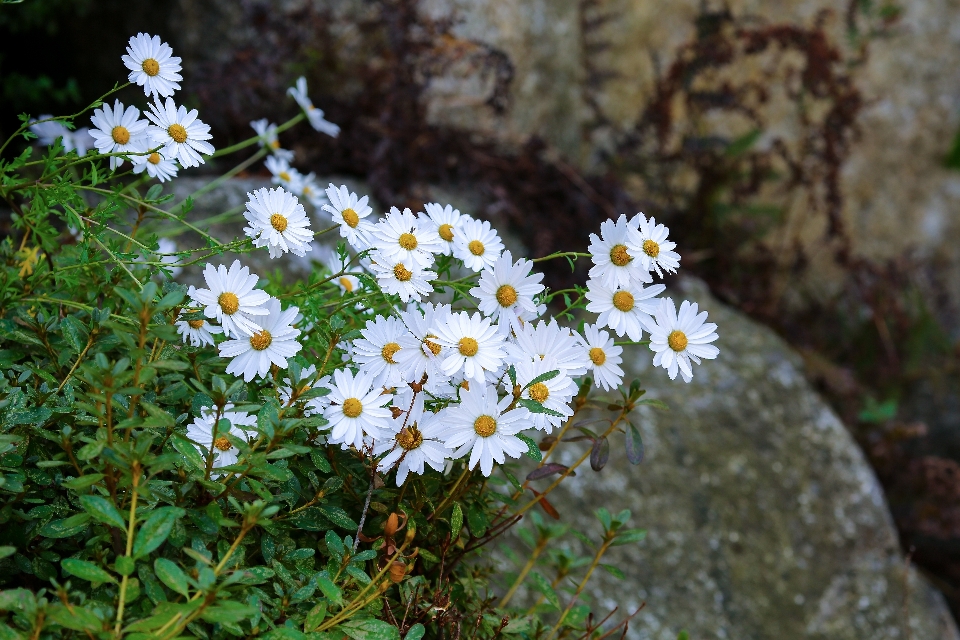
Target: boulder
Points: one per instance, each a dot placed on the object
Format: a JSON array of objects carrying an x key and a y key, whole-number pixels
[{"x": 764, "y": 519}]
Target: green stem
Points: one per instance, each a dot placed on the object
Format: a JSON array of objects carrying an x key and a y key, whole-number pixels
[
  {"x": 541, "y": 545},
  {"x": 135, "y": 479}
]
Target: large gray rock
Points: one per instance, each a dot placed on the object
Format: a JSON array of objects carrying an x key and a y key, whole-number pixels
[{"x": 764, "y": 519}]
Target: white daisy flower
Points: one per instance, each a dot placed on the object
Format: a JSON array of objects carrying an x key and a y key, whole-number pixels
[
  {"x": 267, "y": 137},
  {"x": 182, "y": 135},
  {"x": 445, "y": 221},
  {"x": 375, "y": 353},
  {"x": 615, "y": 264},
  {"x": 623, "y": 310},
  {"x": 420, "y": 354},
  {"x": 117, "y": 130},
  {"x": 505, "y": 292},
  {"x": 313, "y": 406},
  {"x": 272, "y": 344},
  {"x": 649, "y": 243},
  {"x": 401, "y": 235},
  {"x": 283, "y": 174},
  {"x": 413, "y": 446},
  {"x": 604, "y": 356},
  {"x": 484, "y": 428},
  {"x": 206, "y": 432},
  {"x": 314, "y": 115},
  {"x": 356, "y": 409},
  {"x": 477, "y": 244},
  {"x": 403, "y": 278},
  {"x": 198, "y": 332},
  {"x": 350, "y": 212},
  {"x": 678, "y": 339},
  {"x": 311, "y": 191},
  {"x": 554, "y": 394},
  {"x": 277, "y": 220},
  {"x": 347, "y": 282},
  {"x": 232, "y": 299},
  {"x": 473, "y": 345},
  {"x": 154, "y": 164},
  {"x": 548, "y": 338},
  {"x": 152, "y": 65},
  {"x": 47, "y": 133}
]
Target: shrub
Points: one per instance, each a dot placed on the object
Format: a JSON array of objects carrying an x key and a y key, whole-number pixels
[{"x": 319, "y": 458}]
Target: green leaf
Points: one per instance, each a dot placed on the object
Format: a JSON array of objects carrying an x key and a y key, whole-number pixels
[
  {"x": 103, "y": 510},
  {"x": 683, "y": 635},
  {"x": 80, "y": 619},
  {"x": 634, "y": 445},
  {"x": 533, "y": 451},
  {"x": 535, "y": 407},
  {"x": 228, "y": 611},
  {"x": 339, "y": 517},
  {"x": 7, "y": 551},
  {"x": 329, "y": 589},
  {"x": 86, "y": 570},
  {"x": 614, "y": 571},
  {"x": 316, "y": 616},
  {"x": 543, "y": 377},
  {"x": 82, "y": 482},
  {"x": 543, "y": 586},
  {"x": 125, "y": 565},
  {"x": 456, "y": 520},
  {"x": 628, "y": 536},
  {"x": 369, "y": 629},
  {"x": 188, "y": 451},
  {"x": 74, "y": 332},
  {"x": 155, "y": 530},
  {"x": 476, "y": 520},
  {"x": 415, "y": 632},
  {"x": 172, "y": 576},
  {"x": 656, "y": 404},
  {"x": 65, "y": 528}
]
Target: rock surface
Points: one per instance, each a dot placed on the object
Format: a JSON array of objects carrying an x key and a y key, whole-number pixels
[{"x": 764, "y": 519}]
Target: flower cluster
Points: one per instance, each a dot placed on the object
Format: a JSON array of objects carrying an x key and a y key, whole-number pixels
[{"x": 437, "y": 381}]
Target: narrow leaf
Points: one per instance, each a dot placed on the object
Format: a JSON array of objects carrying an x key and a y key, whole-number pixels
[
  {"x": 548, "y": 470},
  {"x": 456, "y": 520},
  {"x": 86, "y": 570},
  {"x": 155, "y": 530},
  {"x": 599, "y": 454},
  {"x": 543, "y": 377},
  {"x": 533, "y": 451},
  {"x": 103, "y": 510},
  {"x": 172, "y": 576},
  {"x": 634, "y": 445}
]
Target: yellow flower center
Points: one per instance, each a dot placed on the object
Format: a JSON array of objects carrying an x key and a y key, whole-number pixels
[
  {"x": 408, "y": 241},
  {"x": 651, "y": 248},
  {"x": 120, "y": 135},
  {"x": 476, "y": 247},
  {"x": 539, "y": 392},
  {"x": 435, "y": 349},
  {"x": 623, "y": 300},
  {"x": 465, "y": 385},
  {"x": 195, "y": 324},
  {"x": 677, "y": 340},
  {"x": 619, "y": 255},
  {"x": 388, "y": 351},
  {"x": 278, "y": 222},
  {"x": 446, "y": 232},
  {"x": 410, "y": 438},
  {"x": 506, "y": 295},
  {"x": 283, "y": 175},
  {"x": 485, "y": 426},
  {"x": 351, "y": 218},
  {"x": 150, "y": 67},
  {"x": 274, "y": 144},
  {"x": 229, "y": 302},
  {"x": 261, "y": 340},
  {"x": 401, "y": 273},
  {"x": 469, "y": 347},
  {"x": 346, "y": 283},
  {"x": 597, "y": 356},
  {"x": 222, "y": 443},
  {"x": 352, "y": 407},
  {"x": 154, "y": 158},
  {"x": 178, "y": 133}
]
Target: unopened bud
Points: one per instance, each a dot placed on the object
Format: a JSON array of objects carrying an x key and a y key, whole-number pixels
[
  {"x": 397, "y": 571},
  {"x": 393, "y": 523}
]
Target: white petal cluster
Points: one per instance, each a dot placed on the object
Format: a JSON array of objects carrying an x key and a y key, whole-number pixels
[{"x": 427, "y": 381}]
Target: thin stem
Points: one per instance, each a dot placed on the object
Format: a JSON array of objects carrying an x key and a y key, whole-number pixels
[
  {"x": 451, "y": 492},
  {"x": 213, "y": 184},
  {"x": 583, "y": 583},
  {"x": 135, "y": 479},
  {"x": 537, "y": 550}
]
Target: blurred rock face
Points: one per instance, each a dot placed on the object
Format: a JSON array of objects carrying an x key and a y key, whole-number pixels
[{"x": 764, "y": 519}]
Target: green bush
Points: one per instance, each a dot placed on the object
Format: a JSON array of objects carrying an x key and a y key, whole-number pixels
[{"x": 147, "y": 491}]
